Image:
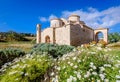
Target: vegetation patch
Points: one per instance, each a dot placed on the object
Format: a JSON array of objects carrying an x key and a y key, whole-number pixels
[
  {"x": 8, "y": 54},
  {"x": 88, "y": 64},
  {"x": 30, "y": 68},
  {"x": 54, "y": 50}
]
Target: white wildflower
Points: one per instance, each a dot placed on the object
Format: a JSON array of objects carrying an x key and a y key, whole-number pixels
[
  {"x": 94, "y": 73},
  {"x": 87, "y": 75},
  {"x": 15, "y": 66},
  {"x": 52, "y": 73},
  {"x": 75, "y": 72},
  {"x": 106, "y": 80},
  {"x": 11, "y": 73},
  {"x": 75, "y": 66},
  {"x": 107, "y": 65},
  {"x": 102, "y": 76},
  {"x": 74, "y": 79},
  {"x": 78, "y": 61},
  {"x": 102, "y": 69},
  {"x": 26, "y": 74},
  {"x": 21, "y": 73},
  {"x": 98, "y": 81},
  {"x": 91, "y": 63},
  {"x": 94, "y": 67},
  {"x": 117, "y": 65},
  {"x": 68, "y": 62},
  {"x": 118, "y": 76},
  {"x": 58, "y": 68},
  {"x": 16, "y": 79},
  {"x": 55, "y": 79},
  {"x": 74, "y": 58},
  {"x": 78, "y": 75},
  {"x": 71, "y": 64},
  {"x": 117, "y": 80},
  {"x": 99, "y": 48}
]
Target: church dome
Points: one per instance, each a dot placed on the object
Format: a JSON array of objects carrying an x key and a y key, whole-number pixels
[
  {"x": 74, "y": 18},
  {"x": 55, "y": 22}
]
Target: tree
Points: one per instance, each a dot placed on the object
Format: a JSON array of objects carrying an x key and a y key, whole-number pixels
[{"x": 114, "y": 37}]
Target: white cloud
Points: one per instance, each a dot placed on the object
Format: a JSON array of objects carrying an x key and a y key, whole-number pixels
[
  {"x": 92, "y": 17},
  {"x": 43, "y": 19},
  {"x": 52, "y": 16},
  {"x": 46, "y": 19}
]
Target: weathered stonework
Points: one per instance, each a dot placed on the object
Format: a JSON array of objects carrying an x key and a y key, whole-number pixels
[{"x": 69, "y": 32}]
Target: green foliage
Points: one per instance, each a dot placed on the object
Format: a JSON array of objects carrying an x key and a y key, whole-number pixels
[
  {"x": 114, "y": 37},
  {"x": 8, "y": 54},
  {"x": 30, "y": 68},
  {"x": 51, "y": 49},
  {"x": 13, "y": 36}
]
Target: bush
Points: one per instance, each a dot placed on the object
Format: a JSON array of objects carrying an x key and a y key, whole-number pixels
[
  {"x": 30, "y": 68},
  {"x": 8, "y": 54},
  {"x": 114, "y": 37},
  {"x": 52, "y": 49}
]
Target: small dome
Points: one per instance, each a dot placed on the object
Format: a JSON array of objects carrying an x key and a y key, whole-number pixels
[
  {"x": 55, "y": 22},
  {"x": 74, "y": 18},
  {"x": 74, "y": 15}
]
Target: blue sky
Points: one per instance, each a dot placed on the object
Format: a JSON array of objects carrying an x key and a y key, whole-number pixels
[{"x": 23, "y": 15}]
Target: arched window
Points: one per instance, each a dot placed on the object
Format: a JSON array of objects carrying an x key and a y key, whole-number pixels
[
  {"x": 99, "y": 36},
  {"x": 47, "y": 39}
]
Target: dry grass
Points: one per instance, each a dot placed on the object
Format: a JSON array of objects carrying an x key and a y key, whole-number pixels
[{"x": 26, "y": 46}]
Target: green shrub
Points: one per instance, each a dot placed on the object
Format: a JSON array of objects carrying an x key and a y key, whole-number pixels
[
  {"x": 30, "y": 68},
  {"x": 114, "y": 37},
  {"x": 8, "y": 54},
  {"x": 52, "y": 49}
]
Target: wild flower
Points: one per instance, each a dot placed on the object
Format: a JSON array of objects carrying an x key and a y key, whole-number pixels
[
  {"x": 118, "y": 76},
  {"x": 98, "y": 80},
  {"x": 106, "y": 80},
  {"x": 15, "y": 66},
  {"x": 71, "y": 64},
  {"x": 58, "y": 68},
  {"x": 117, "y": 65},
  {"x": 78, "y": 75},
  {"x": 78, "y": 60},
  {"x": 13, "y": 72},
  {"x": 21, "y": 73},
  {"x": 75, "y": 66},
  {"x": 87, "y": 74},
  {"x": 94, "y": 73},
  {"x": 16, "y": 79},
  {"x": 74, "y": 58},
  {"x": 63, "y": 67},
  {"x": 107, "y": 65},
  {"x": 68, "y": 62},
  {"x": 26, "y": 74},
  {"x": 102, "y": 69},
  {"x": 52, "y": 73},
  {"x": 102, "y": 76},
  {"x": 55, "y": 79},
  {"x": 94, "y": 67}
]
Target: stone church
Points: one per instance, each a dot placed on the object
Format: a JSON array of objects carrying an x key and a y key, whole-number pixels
[{"x": 71, "y": 31}]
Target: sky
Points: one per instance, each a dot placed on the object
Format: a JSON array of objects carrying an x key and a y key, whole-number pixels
[{"x": 23, "y": 15}]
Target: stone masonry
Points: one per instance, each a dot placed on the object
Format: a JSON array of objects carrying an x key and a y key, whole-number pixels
[{"x": 69, "y": 32}]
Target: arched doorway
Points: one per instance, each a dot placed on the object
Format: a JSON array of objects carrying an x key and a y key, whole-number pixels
[
  {"x": 101, "y": 33},
  {"x": 99, "y": 36},
  {"x": 47, "y": 39}
]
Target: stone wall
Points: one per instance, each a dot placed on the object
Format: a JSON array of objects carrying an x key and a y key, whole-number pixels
[
  {"x": 80, "y": 35},
  {"x": 47, "y": 32},
  {"x": 62, "y": 35}
]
